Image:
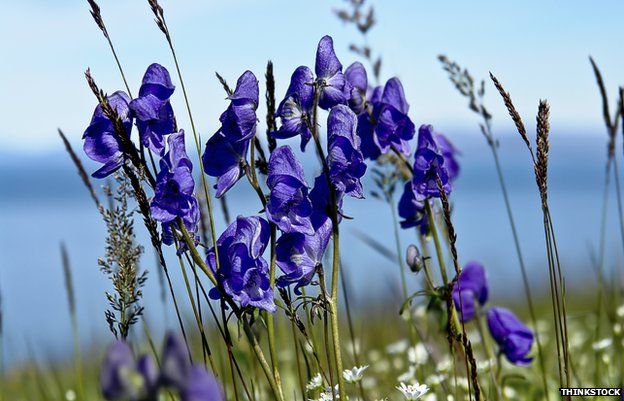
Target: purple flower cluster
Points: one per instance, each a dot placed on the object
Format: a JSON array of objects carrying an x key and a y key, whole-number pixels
[
  {"x": 152, "y": 109},
  {"x": 296, "y": 109},
  {"x": 512, "y": 336},
  {"x": 435, "y": 158},
  {"x": 471, "y": 287},
  {"x": 303, "y": 215},
  {"x": 173, "y": 195},
  {"x": 123, "y": 377},
  {"x": 242, "y": 271},
  {"x": 226, "y": 151}
]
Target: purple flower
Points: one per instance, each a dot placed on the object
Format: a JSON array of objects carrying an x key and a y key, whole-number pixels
[
  {"x": 295, "y": 110},
  {"x": 176, "y": 364},
  {"x": 386, "y": 125},
  {"x": 513, "y": 337},
  {"x": 346, "y": 163},
  {"x": 201, "y": 386},
  {"x": 471, "y": 287},
  {"x": 298, "y": 255},
  {"x": 289, "y": 206},
  {"x": 173, "y": 195},
  {"x": 412, "y": 210},
  {"x": 319, "y": 195},
  {"x": 356, "y": 77},
  {"x": 101, "y": 141},
  {"x": 152, "y": 108},
  {"x": 226, "y": 151},
  {"x": 449, "y": 152},
  {"x": 121, "y": 378},
  {"x": 225, "y": 160},
  {"x": 243, "y": 273},
  {"x": 333, "y": 85},
  {"x": 157, "y": 82},
  {"x": 429, "y": 166}
]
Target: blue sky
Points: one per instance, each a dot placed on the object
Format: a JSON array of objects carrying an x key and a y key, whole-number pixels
[{"x": 538, "y": 49}]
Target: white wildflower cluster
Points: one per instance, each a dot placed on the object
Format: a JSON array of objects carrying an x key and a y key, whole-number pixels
[
  {"x": 315, "y": 383},
  {"x": 414, "y": 391},
  {"x": 354, "y": 374}
]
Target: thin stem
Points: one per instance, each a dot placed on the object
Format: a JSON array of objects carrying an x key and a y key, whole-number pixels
[
  {"x": 525, "y": 279},
  {"x": 333, "y": 300}
]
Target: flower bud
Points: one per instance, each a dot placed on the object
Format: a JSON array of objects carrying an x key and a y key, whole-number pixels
[{"x": 414, "y": 259}]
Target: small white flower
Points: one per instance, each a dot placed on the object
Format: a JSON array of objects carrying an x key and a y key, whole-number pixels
[
  {"x": 602, "y": 344},
  {"x": 617, "y": 328},
  {"x": 444, "y": 365},
  {"x": 414, "y": 391},
  {"x": 354, "y": 374},
  {"x": 434, "y": 380},
  {"x": 485, "y": 365},
  {"x": 418, "y": 354},
  {"x": 398, "y": 347},
  {"x": 70, "y": 395},
  {"x": 315, "y": 382},
  {"x": 509, "y": 392},
  {"x": 620, "y": 311},
  {"x": 407, "y": 376},
  {"x": 327, "y": 394},
  {"x": 430, "y": 397}
]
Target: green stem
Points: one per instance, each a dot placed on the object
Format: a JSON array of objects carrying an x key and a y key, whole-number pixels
[
  {"x": 333, "y": 300},
  {"x": 486, "y": 347}
]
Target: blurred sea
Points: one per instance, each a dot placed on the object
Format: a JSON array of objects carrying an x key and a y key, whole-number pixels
[{"x": 43, "y": 202}]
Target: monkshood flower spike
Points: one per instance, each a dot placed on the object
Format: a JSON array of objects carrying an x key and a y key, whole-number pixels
[
  {"x": 471, "y": 287},
  {"x": 100, "y": 139},
  {"x": 512, "y": 336},
  {"x": 173, "y": 195},
  {"x": 243, "y": 272},
  {"x": 226, "y": 151},
  {"x": 346, "y": 163},
  {"x": 295, "y": 109},
  {"x": 289, "y": 206},
  {"x": 152, "y": 109}
]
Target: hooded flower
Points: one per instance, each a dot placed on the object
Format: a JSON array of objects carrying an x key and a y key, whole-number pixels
[
  {"x": 226, "y": 150},
  {"x": 333, "y": 85},
  {"x": 201, "y": 386},
  {"x": 429, "y": 166},
  {"x": 243, "y": 273},
  {"x": 513, "y": 337},
  {"x": 121, "y": 378},
  {"x": 357, "y": 81},
  {"x": 346, "y": 163},
  {"x": 471, "y": 287},
  {"x": 298, "y": 255},
  {"x": 101, "y": 142},
  {"x": 449, "y": 152},
  {"x": 173, "y": 195},
  {"x": 295, "y": 110},
  {"x": 192, "y": 382},
  {"x": 412, "y": 210},
  {"x": 386, "y": 125},
  {"x": 152, "y": 108},
  {"x": 289, "y": 206}
]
